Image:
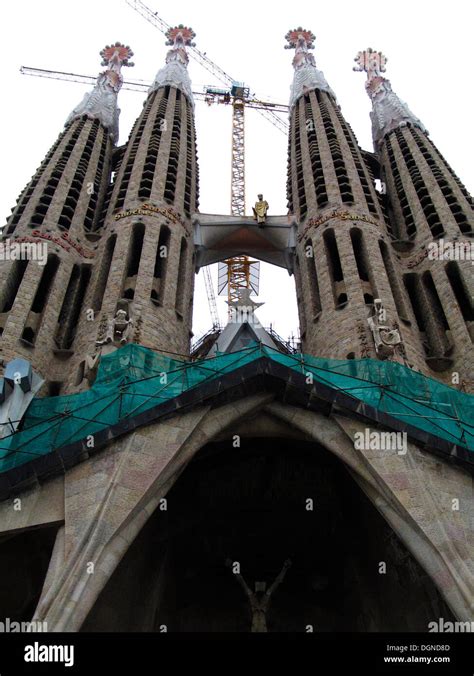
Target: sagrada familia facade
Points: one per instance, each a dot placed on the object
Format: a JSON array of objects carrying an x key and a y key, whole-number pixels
[{"x": 145, "y": 488}]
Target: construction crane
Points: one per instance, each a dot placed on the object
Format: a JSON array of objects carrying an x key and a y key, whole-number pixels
[
  {"x": 239, "y": 269},
  {"x": 216, "y": 324},
  {"x": 140, "y": 86}
]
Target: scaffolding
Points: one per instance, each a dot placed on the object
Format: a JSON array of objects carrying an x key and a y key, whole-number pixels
[{"x": 136, "y": 386}]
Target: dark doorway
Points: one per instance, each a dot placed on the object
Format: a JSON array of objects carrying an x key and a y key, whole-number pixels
[
  {"x": 24, "y": 561},
  {"x": 252, "y": 505}
]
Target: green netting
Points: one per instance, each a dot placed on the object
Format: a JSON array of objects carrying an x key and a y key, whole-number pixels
[{"x": 134, "y": 379}]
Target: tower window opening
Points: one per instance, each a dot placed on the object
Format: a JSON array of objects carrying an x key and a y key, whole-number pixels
[
  {"x": 161, "y": 262},
  {"x": 90, "y": 219},
  {"x": 335, "y": 269},
  {"x": 336, "y": 152},
  {"x": 133, "y": 263},
  {"x": 409, "y": 221},
  {"x": 35, "y": 316},
  {"x": 365, "y": 181},
  {"x": 12, "y": 285},
  {"x": 315, "y": 157},
  {"x": 429, "y": 210},
  {"x": 411, "y": 284},
  {"x": 313, "y": 281},
  {"x": 72, "y": 305},
  {"x": 423, "y": 299},
  {"x": 302, "y": 205},
  {"x": 448, "y": 194},
  {"x": 104, "y": 272},
  {"x": 332, "y": 253},
  {"x": 394, "y": 283},
  {"x": 49, "y": 191},
  {"x": 363, "y": 265},
  {"x": 149, "y": 167},
  {"x": 173, "y": 161},
  {"x": 360, "y": 254},
  {"x": 181, "y": 283},
  {"x": 136, "y": 134},
  {"x": 463, "y": 298}
]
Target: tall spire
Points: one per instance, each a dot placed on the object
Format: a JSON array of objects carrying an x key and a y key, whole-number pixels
[
  {"x": 307, "y": 76},
  {"x": 101, "y": 103},
  {"x": 389, "y": 112},
  {"x": 175, "y": 72}
]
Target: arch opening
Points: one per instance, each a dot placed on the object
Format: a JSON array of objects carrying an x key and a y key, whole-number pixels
[{"x": 252, "y": 506}]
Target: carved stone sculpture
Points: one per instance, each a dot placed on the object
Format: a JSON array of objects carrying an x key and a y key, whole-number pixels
[
  {"x": 385, "y": 337},
  {"x": 259, "y": 600},
  {"x": 118, "y": 329}
]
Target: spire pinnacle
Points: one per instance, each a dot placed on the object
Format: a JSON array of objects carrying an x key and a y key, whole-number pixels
[
  {"x": 175, "y": 71},
  {"x": 307, "y": 77},
  {"x": 389, "y": 111},
  {"x": 371, "y": 62},
  {"x": 113, "y": 58},
  {"x": 101, "y": 103}
]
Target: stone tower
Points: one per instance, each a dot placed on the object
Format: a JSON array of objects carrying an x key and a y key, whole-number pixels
[
  {"x": 157, "y": 469},
  {"x": 145, "y": 258},
  {"x": 59, "y": 209},
  {"x": 339, "y": 269},
  {"x": 428, "y": 253},
  {"x": 356, "y": 244}
]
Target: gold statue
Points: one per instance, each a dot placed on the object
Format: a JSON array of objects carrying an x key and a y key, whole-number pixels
[{"x": 260, "y": 210}]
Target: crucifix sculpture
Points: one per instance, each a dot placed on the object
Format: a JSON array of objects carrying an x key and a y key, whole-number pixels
[{"x": 259, "y": 599}]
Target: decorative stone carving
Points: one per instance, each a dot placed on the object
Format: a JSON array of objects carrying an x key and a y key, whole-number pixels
[
  {"x": 307, "y": 77},
  {"x": 385, "y": 338},
  {"x": 138, "y": 327},
  {"x": 102, "y": 329},
  {"x": 118, "y": 328},
  {"x": 364, "y": 344},
  {"x": 389, "y": 111},
  {"x": 175, "y": 72},
  {"x": 101, "y": 103}
]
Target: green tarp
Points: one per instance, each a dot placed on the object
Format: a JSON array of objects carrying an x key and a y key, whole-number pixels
[{"x": 134, "y": 379}]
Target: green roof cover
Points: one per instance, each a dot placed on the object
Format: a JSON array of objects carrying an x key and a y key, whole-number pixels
[{"x": 134, "y": 378}]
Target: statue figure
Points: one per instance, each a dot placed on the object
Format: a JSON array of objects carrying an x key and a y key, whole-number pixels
[
  {"x": 118, "y": 328},
  {"x": 385, "y": 338},
  {"x": 260, "y": 599},
  {"x": 260, "y": 210}
]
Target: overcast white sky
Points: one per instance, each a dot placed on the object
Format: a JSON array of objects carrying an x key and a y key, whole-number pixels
[{"x": 429, "y": 50}]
